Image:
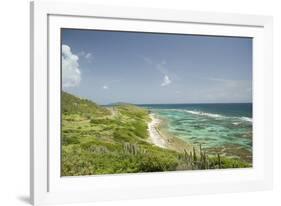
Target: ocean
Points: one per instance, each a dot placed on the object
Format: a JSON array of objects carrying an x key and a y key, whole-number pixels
[{"x": 219, "y": 128}]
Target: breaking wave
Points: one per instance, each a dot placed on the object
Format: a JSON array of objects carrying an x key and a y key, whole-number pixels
[
  {"x": 218, "y": 116},
  {"x": 205, "y": 114},
  {"x": 247, "y": 119}
]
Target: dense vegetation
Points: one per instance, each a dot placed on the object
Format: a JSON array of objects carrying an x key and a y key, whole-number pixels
[{"x": 99, "y": 140}]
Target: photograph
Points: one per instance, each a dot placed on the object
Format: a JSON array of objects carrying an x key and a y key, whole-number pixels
[{"x": 141, "y": 102}]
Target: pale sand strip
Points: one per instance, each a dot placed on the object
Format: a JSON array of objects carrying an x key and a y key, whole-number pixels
[
  {"x": 154, "y": 135},
  {"x": 165, "y": 141}
]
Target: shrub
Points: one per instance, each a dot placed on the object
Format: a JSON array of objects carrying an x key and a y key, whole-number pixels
[{"x": 66, "y": 140}]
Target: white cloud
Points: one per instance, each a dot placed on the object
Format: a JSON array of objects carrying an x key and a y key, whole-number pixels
[
  {"x": 71, "y": 75},
  {"x": 81, "y": 54},
  {"x": 88, "y": 56},
  {"x": 161, "y": 67},
  {"x": 108, "y": 84},
  {"x": 166, "y": 81}
]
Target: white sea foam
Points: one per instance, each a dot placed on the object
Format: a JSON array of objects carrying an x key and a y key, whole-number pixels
[
  {"x": 218, "y": 116},
  {"x": 205, "y": 114},
  {"x": 247, "y": 119}
]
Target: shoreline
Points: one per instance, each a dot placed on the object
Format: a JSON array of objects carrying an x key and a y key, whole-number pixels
[
  {"x": 162, "y": 139},
  {"x": 154, "y": 135}
]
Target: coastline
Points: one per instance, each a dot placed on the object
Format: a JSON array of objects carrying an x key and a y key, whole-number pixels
[
  {"x": 160, "y": 138},
  {"x": 154, "y": 135}
]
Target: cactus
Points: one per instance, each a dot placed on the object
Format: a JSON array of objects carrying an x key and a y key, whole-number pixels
[
  {"x": 194, "y": 155},
  {"x": 133, "y": 149},
  {"x": 200, "y": 152},
  {"x": 219, "y": 161}
]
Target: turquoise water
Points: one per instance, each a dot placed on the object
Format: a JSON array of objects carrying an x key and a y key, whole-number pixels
[{"x": 219, "y": 128}]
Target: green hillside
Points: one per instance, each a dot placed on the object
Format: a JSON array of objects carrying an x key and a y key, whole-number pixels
[
  {"x": 100, "y": 140},
  {"x": 75, "y": 105}
]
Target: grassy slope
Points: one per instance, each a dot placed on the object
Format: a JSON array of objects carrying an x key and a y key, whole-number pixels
[{"x": 98, "y": 140}]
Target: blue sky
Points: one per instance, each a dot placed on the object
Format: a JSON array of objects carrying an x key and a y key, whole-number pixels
[{"x": 139, "y": 68}]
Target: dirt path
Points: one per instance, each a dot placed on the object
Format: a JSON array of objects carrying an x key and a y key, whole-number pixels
[{"x": 113, "y": 111}]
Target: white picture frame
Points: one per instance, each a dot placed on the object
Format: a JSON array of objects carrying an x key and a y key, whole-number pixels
[{"x": 47, "y": 186}]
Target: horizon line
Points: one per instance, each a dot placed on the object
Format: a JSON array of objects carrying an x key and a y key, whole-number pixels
[
  {"x": 120, "y": 102},
  {"x": 109, "y": 104}
]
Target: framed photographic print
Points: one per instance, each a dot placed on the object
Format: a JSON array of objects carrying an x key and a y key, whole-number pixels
[{"x": 137, "y": 103}]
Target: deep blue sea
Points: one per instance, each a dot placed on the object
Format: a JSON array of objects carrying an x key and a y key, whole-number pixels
[{"x": 219, "y": 128}]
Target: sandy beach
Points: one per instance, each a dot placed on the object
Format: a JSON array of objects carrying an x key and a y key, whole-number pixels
[
  {"x": 154, "y": 134},
  {"x": 158, "y": 138}
]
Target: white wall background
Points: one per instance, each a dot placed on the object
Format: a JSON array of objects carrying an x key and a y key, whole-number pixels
[{"x": 14, "y": 100}]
